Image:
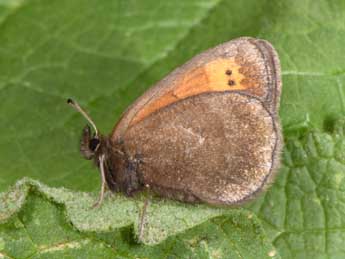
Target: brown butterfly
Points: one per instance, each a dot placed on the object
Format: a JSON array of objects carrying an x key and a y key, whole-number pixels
[{"x": 208, "y": 132}]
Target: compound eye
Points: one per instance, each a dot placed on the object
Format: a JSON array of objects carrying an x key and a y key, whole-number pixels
[{"x": 94, "y": 143}]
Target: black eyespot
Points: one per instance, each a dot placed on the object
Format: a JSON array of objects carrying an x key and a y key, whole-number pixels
[
  {"x": 94, "y": 142},
  {"x": 231, "y": 82},
  {"x": 228, "y": 72}
]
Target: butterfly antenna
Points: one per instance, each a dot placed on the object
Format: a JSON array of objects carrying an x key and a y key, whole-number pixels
[{"x": 76, "y": 106}]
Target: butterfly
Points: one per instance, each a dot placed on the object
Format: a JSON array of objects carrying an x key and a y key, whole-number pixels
[{"x": 207, "y": 132}]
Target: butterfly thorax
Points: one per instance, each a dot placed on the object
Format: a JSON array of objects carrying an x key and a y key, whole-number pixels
[{"x": 121, "y": 170}]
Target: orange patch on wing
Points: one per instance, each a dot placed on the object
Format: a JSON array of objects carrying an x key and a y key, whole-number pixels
[{"x": 216, "y": 76}]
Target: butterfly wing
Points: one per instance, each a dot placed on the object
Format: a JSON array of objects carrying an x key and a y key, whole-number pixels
[
  {"x": 245, "y": 64},
  {"x": 219, "y": 148},
  {"x": 209, "y": 130}
]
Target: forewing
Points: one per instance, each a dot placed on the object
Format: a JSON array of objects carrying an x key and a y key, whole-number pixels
[{"x": 247, "y": 65}]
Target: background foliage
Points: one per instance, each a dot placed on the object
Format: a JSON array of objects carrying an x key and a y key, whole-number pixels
[{"x": 107, "y": 53}]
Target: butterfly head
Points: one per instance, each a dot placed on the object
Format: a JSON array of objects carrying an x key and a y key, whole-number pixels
[{"x": 91, "y": 142}]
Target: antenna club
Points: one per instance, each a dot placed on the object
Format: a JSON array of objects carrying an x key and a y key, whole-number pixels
[{"x": 70, "y": 101}]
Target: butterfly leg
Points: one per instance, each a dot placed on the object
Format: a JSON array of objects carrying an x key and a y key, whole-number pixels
[
  {"x": 103, "y": 184},
  {"x": 142, "y": 220}
]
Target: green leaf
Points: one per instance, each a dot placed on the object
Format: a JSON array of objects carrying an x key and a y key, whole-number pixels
[
  {"x": 107, "y": 53},
  {"x": 33, "y": 224}
]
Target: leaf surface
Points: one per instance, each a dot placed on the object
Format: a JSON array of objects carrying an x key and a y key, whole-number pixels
[{"x": 43, "y": 222}]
